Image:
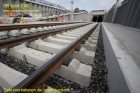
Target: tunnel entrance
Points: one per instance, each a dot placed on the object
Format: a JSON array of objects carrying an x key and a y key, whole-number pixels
[{"x": 98, "y": 18}]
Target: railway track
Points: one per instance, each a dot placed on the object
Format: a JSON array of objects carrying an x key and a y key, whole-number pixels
[
  {"x": 67, "y": 52},
  {"x": 12, "y": 35}
]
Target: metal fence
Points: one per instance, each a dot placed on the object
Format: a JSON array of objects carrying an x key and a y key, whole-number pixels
[{"x": 127, "y": 14}]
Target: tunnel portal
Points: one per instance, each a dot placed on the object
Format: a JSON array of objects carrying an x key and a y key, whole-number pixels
[{"x": 97, "y": 18}]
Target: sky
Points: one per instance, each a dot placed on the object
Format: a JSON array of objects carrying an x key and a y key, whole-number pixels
[{"x": 88, "y": 5}]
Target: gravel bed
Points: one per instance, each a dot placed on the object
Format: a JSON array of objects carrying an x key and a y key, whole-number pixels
[
  {"x": 98, "y": 80},
  {"x": 17, "y": 64}
]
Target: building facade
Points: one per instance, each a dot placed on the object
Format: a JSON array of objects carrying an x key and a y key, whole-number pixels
[{"x": 45, "y": 8}]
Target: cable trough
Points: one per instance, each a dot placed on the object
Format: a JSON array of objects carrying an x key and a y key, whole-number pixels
[{"x": 69, "y": 55}]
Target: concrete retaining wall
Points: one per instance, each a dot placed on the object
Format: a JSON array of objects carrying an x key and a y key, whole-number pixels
[
  {"x": 127, "y": 14},
  {"x": 116, "y": 81}
]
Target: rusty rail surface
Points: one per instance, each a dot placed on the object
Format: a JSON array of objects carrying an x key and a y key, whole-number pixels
[
  {"x": 37, "y": 78},
  {"x": 24, "y": 38}
]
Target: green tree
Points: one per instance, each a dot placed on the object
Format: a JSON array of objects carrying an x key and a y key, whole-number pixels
[
  {"x": 76, "y": 10},
  {"x": 83, "y": 11}
]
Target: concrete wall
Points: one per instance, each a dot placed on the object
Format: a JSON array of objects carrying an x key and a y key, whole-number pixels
[
  {"x": 127, "y": 14},
  {"x": 82, "y": 17},
  {"x": 116, "y": 81}
]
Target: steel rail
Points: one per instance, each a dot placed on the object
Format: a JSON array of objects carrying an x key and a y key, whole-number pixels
[
  {"x": 18, "y": 40},
  {"x": 37, "y": 78},
  {"x": 7, "y": 27}
]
